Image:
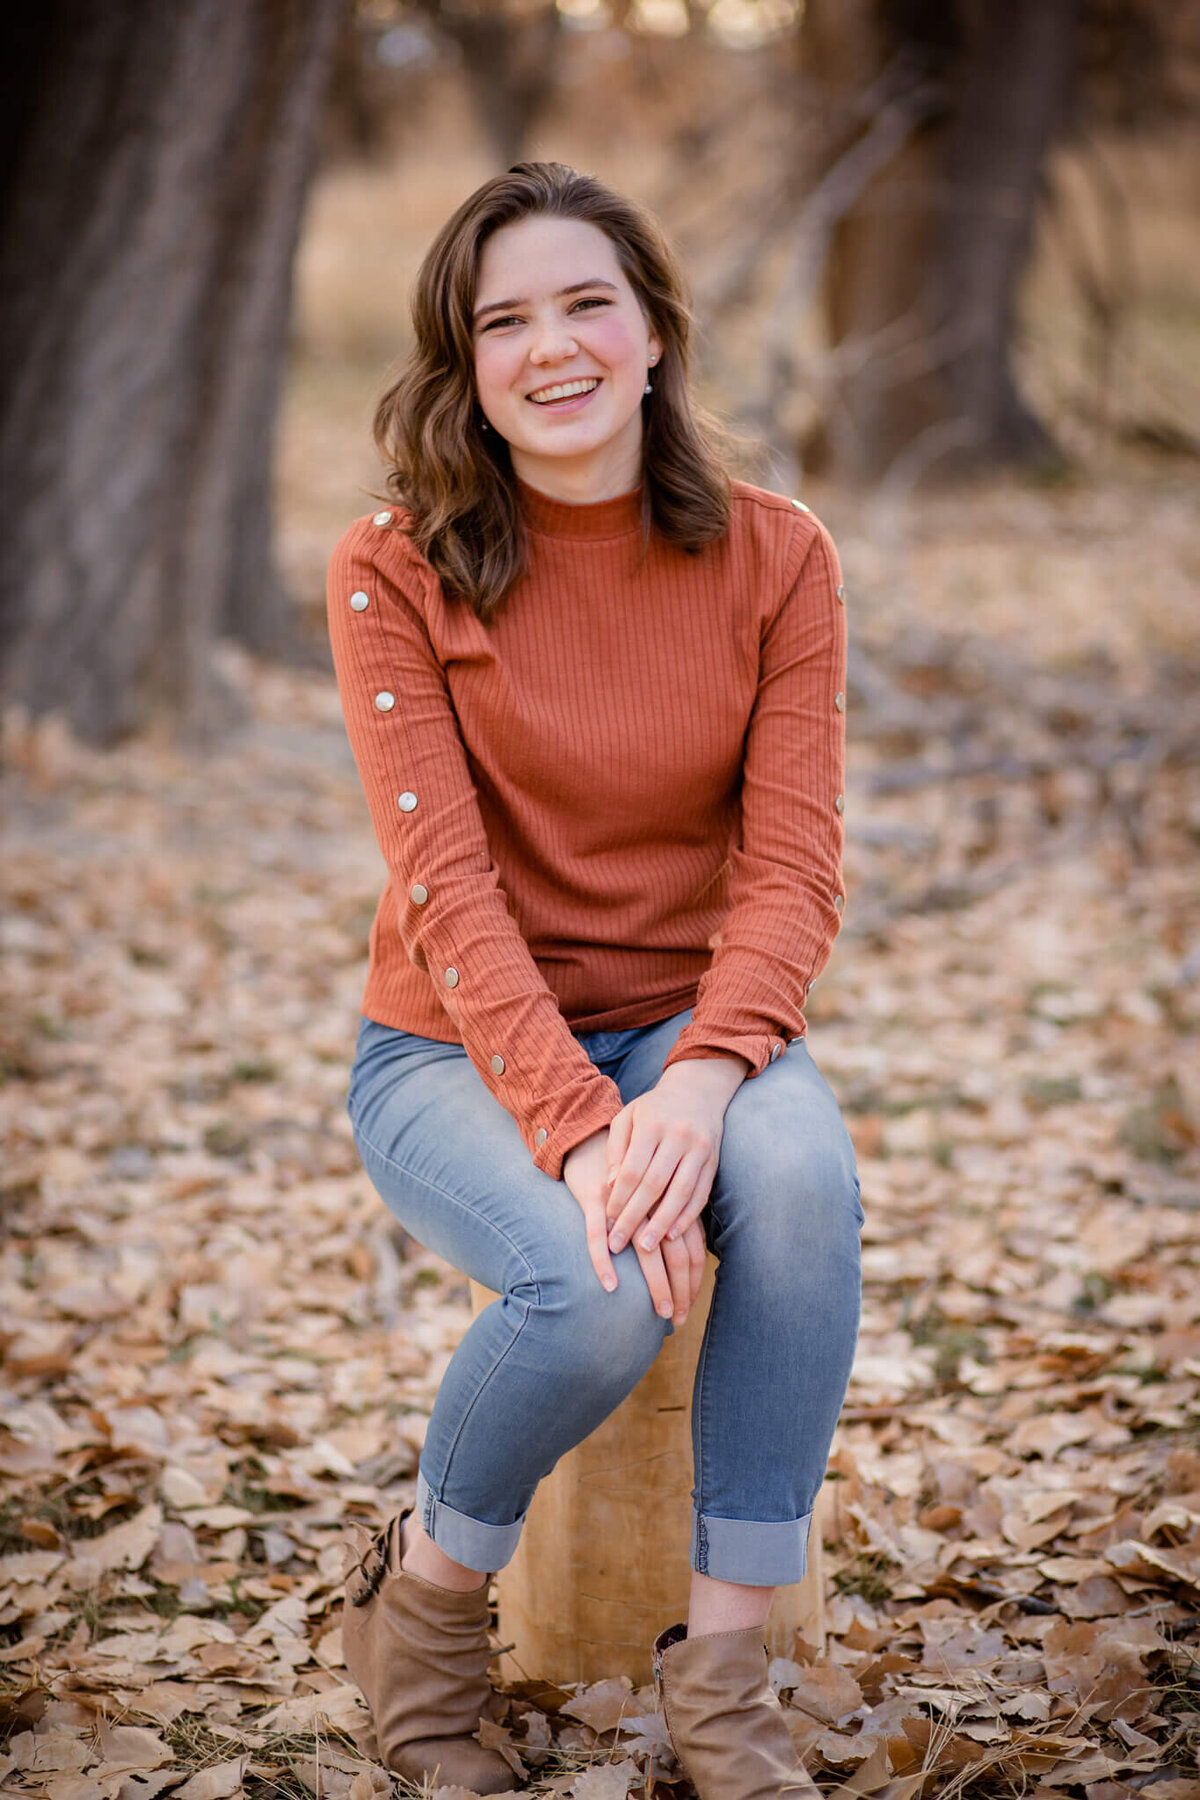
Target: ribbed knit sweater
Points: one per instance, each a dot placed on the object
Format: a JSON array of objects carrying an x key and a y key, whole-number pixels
[{"x": 620, "y": 798}]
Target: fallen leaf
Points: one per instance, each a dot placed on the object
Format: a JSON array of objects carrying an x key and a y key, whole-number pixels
[
  {"x": 609, "y": 1781},
  {"x": 603, "y": 1704},
  {"x": 216, "y": 1782}
]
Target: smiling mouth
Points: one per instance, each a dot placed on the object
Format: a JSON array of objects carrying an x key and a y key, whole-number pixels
[{"x": 563, "y": 390}]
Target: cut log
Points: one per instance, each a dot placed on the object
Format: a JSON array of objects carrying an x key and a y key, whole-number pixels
[{"x": 602, "y": 1565}]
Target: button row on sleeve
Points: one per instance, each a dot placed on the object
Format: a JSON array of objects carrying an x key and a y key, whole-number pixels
[{"x": 407, "y": 801}]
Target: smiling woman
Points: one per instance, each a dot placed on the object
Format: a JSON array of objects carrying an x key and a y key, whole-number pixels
[
  {"x": 595, "y": 690},
  {"x": 545, "y": 277},
  {"x": 561, "y": 373}
]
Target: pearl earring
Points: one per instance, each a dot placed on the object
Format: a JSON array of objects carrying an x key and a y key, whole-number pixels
[{"x": 648, "y": 389}]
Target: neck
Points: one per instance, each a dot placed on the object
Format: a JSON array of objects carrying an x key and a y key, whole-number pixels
[{"x": 580, "y": 482}]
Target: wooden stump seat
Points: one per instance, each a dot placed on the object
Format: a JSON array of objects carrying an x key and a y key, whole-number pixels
[{"x": 602, "y": 1564}]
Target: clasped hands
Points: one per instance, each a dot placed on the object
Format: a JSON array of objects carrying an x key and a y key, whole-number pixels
[{"x": 646, "y": 1178}]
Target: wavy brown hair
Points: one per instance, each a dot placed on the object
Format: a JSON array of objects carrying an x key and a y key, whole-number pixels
[{"x": 455, "y": 479}]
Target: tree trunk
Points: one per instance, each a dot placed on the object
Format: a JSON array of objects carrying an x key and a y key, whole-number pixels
[
  {"x": 921, "y": 281},
  {"x": 154, "y": 203},
  {"x": 509, "y": 57}
]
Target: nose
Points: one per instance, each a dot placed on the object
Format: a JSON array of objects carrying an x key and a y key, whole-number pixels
[{"x": 552, "y": 341}]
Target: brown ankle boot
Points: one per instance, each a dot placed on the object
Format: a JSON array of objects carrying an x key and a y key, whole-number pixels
[
  {"x": 726, "y": 1726},
  {"x": 419, "y": 1653}
]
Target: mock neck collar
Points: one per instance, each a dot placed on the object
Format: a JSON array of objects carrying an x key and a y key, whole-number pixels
[{"x": 593, "y": 519}]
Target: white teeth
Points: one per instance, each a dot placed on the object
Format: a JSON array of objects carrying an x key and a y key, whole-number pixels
[{"x": 565, "y": 390}]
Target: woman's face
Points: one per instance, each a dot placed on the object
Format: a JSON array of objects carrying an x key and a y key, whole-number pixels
[{"x": 553, "y": 308}]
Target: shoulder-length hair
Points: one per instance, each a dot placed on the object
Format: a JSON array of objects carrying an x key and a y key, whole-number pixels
[{"x": 454, "y": 478}]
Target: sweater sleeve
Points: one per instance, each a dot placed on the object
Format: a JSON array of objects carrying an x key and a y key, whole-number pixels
[
  {"x": 453, "y": 915},
  {"x": 786, "y": 876}
]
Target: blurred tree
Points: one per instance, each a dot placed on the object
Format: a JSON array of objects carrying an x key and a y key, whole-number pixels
[
  {"x": 505, "y": 50},
  {"x": 933, "y": 122},
  {"x": 157, "y": 158},
  {"x": 947, "y": 111},
  {"x": 508, "y": 55}
]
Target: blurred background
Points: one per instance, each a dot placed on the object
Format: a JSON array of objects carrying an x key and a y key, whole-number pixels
[
  {"x": 946, "y": 271},
  {"x": 929, "y": 240}
]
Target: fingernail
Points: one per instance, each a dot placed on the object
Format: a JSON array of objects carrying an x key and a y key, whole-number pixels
[
  {"x": 648, "y": 1241},
  {"x": 616, "y": 1243},
  {"x": 665, "y": 1311},
  {"x": 609, "y": 1283}
]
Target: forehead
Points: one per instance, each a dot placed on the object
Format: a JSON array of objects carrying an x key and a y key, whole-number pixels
[{"x": 540, "y": 254}]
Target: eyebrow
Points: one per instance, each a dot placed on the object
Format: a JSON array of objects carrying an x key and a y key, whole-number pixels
[{"x": 576, "y": 287}]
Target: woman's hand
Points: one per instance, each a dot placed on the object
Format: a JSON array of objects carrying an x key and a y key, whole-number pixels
[
  {"x": 673, "y": 1272},
  {"x": 585, "y": 1172},
  {"x": 664, "y": 1149}
]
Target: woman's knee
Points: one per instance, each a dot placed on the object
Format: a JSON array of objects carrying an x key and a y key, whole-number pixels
[
  {"x": 789, "y": 1202},
  {"x": 611, "y": 1338}
]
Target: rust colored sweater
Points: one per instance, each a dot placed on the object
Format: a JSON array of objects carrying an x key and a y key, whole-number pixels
[{"x": 619, "y": 799}]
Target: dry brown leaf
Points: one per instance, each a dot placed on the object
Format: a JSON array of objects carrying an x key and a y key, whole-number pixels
[
  {"x": 826, "y": 1692},
  {"x": 126, "y": 1546},
  {"x": 373, "y": 1783},
  {"x": 41, "y": 1752},
  {"x": 871, "y": 1777},
  {"x": 1153, "y": 1564},
  {"x": 217, "y": 1782},
  {"x": 608, "y": 1781},
  {"x": 603, "y": 1704},
  {"x": 127, "y": 1747},
  {"x": 500, "y": 1738}
]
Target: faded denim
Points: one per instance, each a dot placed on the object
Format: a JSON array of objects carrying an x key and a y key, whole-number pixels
[{"x": 539, "y": 1369}]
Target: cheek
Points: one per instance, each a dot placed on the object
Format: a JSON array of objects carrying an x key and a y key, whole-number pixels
[
  {"x": 614, "y": 342},
  {"x": 496, "y": 366}
]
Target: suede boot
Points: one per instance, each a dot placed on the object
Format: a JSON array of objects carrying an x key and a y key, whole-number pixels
[
  {"x": 726, "y": 1726},
  {"x": 419, "y": 1653}
]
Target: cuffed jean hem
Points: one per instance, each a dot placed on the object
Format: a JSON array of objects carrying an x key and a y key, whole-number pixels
[
  {"x": 751, "y": 1552},
  {"x": 472, "y": 1542}
]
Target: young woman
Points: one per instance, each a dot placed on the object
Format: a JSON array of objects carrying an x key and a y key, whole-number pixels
[{"x": 595, "y": 693}]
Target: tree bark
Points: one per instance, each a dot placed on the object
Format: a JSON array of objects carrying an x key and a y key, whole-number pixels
[
  {"x": 921, "y": 281},
  {"x": 154, "y": 202}
]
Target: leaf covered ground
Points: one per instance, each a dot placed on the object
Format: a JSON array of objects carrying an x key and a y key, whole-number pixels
[{"x": 219, "y": 1354}]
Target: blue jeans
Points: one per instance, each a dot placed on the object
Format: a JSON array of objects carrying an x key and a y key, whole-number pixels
[{"x": 540, "y": 1368}]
